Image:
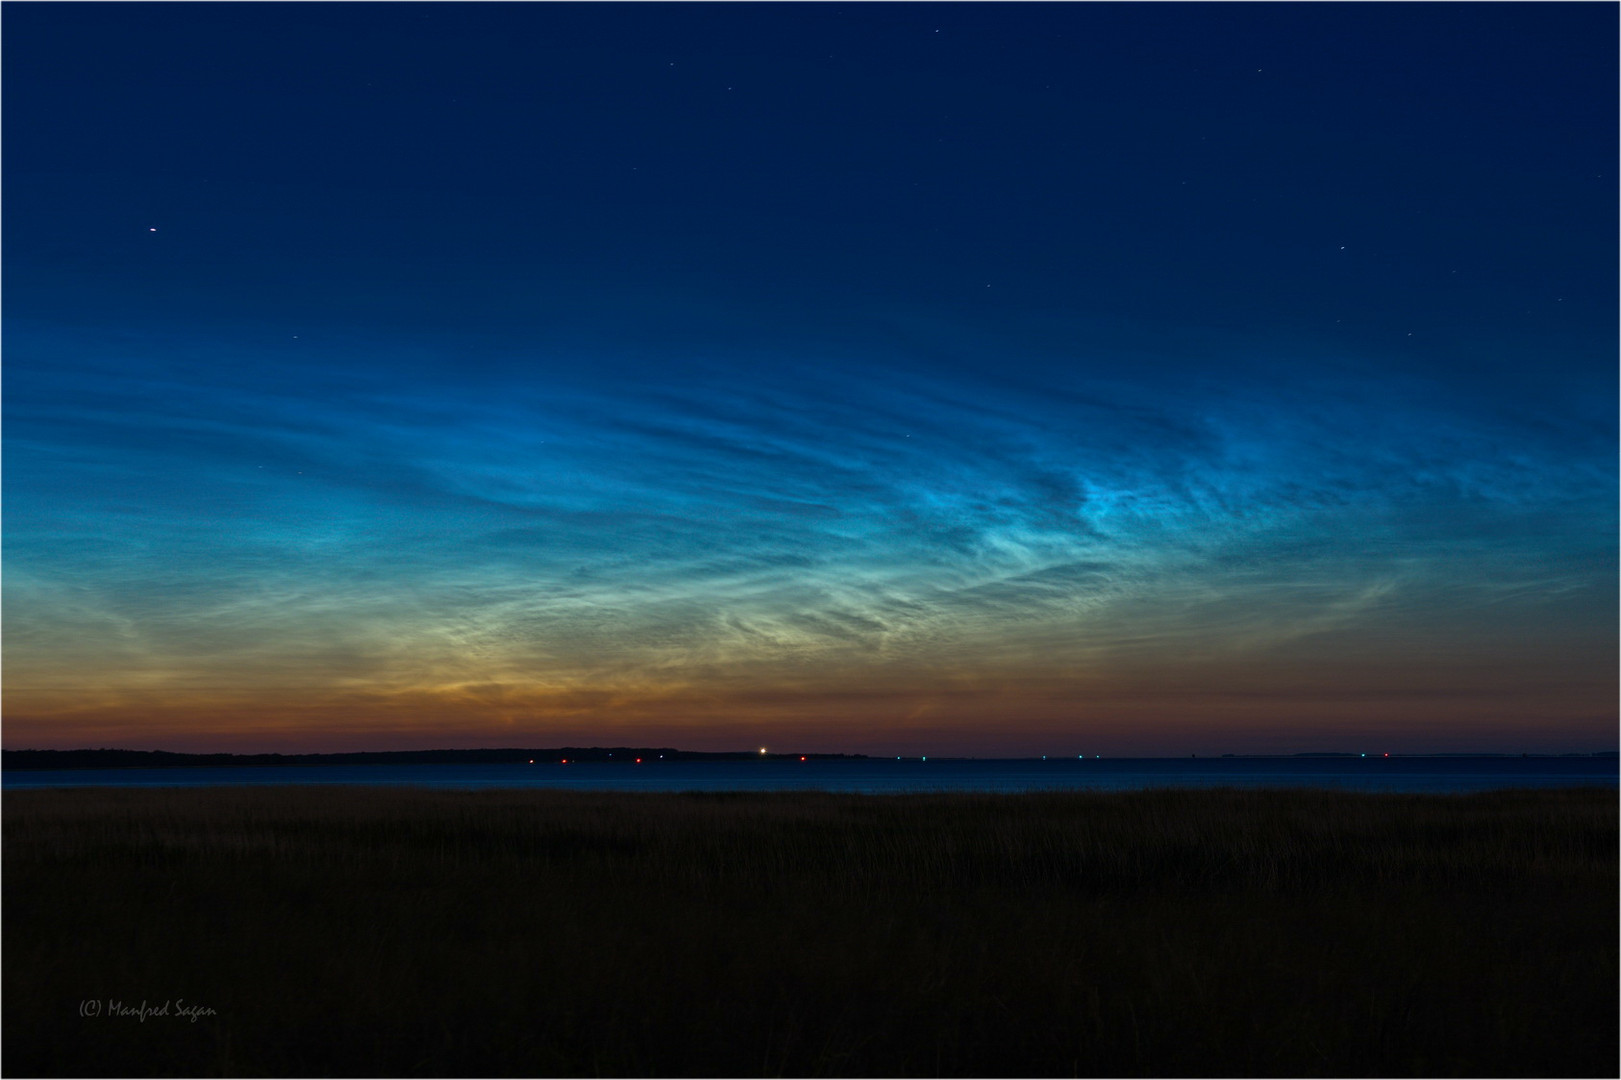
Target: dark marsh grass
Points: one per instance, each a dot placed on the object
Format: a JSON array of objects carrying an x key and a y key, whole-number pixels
[{"x": 375, "y": 931}]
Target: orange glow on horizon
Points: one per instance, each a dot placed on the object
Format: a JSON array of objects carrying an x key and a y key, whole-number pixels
[{"x": 1256, "y": 706}]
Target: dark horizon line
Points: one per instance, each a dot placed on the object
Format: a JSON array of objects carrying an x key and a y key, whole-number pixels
[{"x": 108, "y": 757}]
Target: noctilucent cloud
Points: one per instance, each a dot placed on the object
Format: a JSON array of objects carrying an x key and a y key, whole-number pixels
[{"x": 977, "y": 378}]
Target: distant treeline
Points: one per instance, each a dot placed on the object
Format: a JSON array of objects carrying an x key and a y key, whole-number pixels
[{"x": 158, "y": 759}]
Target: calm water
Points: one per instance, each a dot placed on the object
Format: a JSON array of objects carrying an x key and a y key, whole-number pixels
[{"x": 888, "y": 776}]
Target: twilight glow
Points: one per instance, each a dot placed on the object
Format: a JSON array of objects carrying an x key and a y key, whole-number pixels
[{"x": 947, "y": 379}]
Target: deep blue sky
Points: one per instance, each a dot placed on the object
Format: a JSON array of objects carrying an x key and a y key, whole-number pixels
[{"x": 915, "y": 378}]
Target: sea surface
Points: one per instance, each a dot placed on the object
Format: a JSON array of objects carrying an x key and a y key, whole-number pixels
[{"x": 891, "y": 776}]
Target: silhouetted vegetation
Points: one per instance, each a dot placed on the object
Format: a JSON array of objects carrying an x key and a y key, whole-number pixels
[{"x": 377, "y": 931}]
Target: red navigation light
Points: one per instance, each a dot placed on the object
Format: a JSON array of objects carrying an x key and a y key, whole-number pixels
[
  {"x": 1387, "y": 755},
  {"x": 638, "y": 761},
  {"x": 565, "y": 761},
  {"x": 801, "y": 757}
]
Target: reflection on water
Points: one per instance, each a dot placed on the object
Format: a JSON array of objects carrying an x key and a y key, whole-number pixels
[{"x": 1414, "y": 774}]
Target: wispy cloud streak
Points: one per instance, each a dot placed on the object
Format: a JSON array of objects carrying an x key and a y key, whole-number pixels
[{"x": 260, "y": 522}]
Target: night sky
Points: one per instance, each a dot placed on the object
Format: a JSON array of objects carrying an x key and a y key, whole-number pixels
[{"x": 989, "y": 379}]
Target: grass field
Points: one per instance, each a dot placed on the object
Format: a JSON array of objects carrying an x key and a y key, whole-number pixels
[{"x": 349, "y": 931}]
